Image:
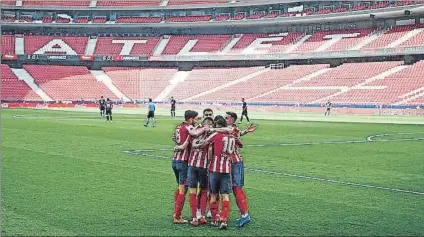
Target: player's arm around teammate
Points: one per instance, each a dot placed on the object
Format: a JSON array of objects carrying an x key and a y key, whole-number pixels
[{"x": 220, "y": 168}]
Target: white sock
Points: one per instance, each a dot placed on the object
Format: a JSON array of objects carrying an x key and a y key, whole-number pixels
[{"x": 245, "y": 215}]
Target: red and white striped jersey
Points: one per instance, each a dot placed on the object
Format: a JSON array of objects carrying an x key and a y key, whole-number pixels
[
  {"x": 198, "y": 156},
  {"x": 236, "y": 157},
  {"x": 223, "y": 148},
  {"x": 181, "y": 135}
]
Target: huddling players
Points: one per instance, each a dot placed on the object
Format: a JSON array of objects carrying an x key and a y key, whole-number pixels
[{"x": 205, "y": 152}]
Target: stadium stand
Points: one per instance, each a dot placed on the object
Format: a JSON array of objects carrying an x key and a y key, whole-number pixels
[
  {"x": 348, "y": 74},
  {"x": 392, "y": 35},
  {"x": 8, "y": 44},
  {"x": 82, "y": 19},
  {"x": 189, "y": 2},
  {"x": 47, "y": 19},
  {"x": 14, "y": 89},
  {"x": 204, "y": 79},
  {"x": 138, "y": 19},
  {"x": 263, "y": 83},
  {"x": 390, "y": 89},
  {"x": 106, "y": 3},
  {"x": 137, "y": 83},
  {"x": 205, "y": 43},
  {"x": 55, "y": 45},
  {"x": 342, "y": 40},
  {"x": 188, "y": 18},
  {"x": 68, "y": 82},
  {"x": 117, "y": 46},
  {"x": 8, "y": 2},
  {"x": 74, "y": 3}
]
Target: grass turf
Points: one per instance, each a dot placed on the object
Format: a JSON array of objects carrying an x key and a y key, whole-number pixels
[{"x": 64, "y": 173}]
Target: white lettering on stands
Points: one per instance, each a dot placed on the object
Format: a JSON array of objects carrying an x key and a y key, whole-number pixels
[
  {"x": 256, "y": 47},
  {"x": 51, "y": 47},
  {"x": 186, "y": 50},
  {"x": 334, "y": 39},
  {"x": 128, "y": 45}
]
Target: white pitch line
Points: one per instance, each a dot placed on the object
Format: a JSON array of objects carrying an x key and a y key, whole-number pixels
[{"x": 335, "y": 181}]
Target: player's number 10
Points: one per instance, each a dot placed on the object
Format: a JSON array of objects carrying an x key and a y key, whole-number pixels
[{"x": 229, "y": 144}]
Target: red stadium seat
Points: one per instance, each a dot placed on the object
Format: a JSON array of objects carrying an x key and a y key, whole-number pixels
[
  {"x": 68, "y": 82},
  {"x": 14, "y": 89},
  {"x": 188, "y": 18},
  {"x": 8, "y": 44},
  {"x": 140, "y": 83}
]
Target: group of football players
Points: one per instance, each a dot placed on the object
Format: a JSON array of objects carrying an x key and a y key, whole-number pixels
[{"x": 207, "y": 163}]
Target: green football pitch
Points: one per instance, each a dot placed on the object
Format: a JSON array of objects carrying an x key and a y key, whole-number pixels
[{"x": 70, "y": 173}]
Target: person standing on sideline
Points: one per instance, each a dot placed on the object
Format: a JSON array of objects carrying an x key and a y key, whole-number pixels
[
  {"x": 173, "y": 102},
  {"x": 328, "y": 105},
  {"x": 244, "y": 112},
  {"x": 151, "y": 114}
]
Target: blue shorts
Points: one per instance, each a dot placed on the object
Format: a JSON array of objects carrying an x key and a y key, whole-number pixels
[
  {"x": 180, "y": 171},
  {"x": 197, "y": 175},
  {"x": 237, "y": 174},
  {"x": 219, "y": 183}
]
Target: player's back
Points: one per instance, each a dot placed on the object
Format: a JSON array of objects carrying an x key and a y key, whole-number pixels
[
  {"x": 223, "y": 148},
  {"x": 198, "y": 155}
]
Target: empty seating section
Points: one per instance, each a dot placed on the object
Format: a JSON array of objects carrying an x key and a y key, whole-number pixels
[
  {"x": 239, "y": 16},
  {"x": 138, "y": 19},
  {"x": 324, "y": 11},
  {"x": 204, "y": 79},
  {"x": 14, "y": 89},
  {"x": 390, "y": 36},
  {"x": 8, "y": 2},
  {"x": 417, "y": 40},
  {"x": 63, "y": 20},
  {"x": 349, "y": 74},
  {"x": 277, "y": 46},
  {"x": 25, "y": 19},
  {"x": 117, "y": 45},
  {"x": 223, "y": 17},
  {"x": 205, "y": 43},
  {"x": 341, "y": 9},
  {"x": 272, "y": 15},
  {"x": 417, "y": 101},
  {"x": 8, "y": 18},
  {"x": 114, "y": 3},
  {"x": 265, "y": 82},
  {"x": 99, "y": 19},
  {"x": 74, "y": 3},
  {"x": 82, "y": 19},
  {"x": 359, "y": 7},
  {"x": 34, "y": 43},
  {"x": 246, "y": 40},
  {"x": 8, "y": 44},
  {"x": 393, "y": 87},
  {"x": 296, "y": 96},
  {"x": 68, "y": 82},
  {"x": 188, "y": 18},
  {"x": 47, "y": 19},
  {"x": 140, "y": 83},
  {"x": 403, "y": 2},
  {"x": 349, "y": 40},
  {"x": 380, "y": 5},
  {"x": 257, "y": 15},
  {"x": 188, "y": 2}
]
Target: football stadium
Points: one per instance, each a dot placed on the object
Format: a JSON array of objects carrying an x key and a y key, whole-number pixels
[{"x": 212, "y": 118}]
